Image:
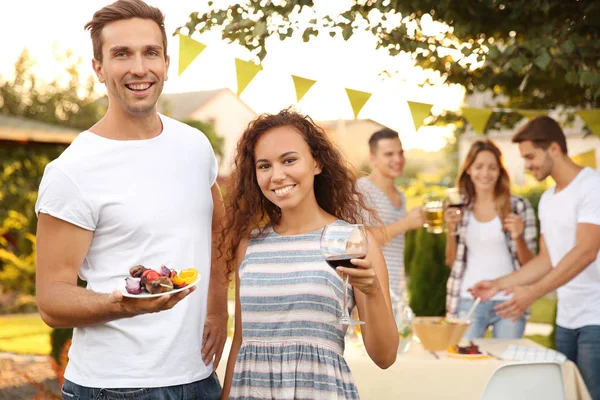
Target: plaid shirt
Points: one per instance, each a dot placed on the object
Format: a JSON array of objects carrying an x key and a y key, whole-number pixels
[{"x": 520, "y": 206}]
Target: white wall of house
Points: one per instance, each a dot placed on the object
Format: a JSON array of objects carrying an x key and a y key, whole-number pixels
[
  {"x": 352, "y": 138},
  {"x": 230, "y": 117}
]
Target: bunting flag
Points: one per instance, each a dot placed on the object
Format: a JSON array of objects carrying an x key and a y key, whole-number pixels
[
  {"x": 586, "y": 159},
  {"x": 591, "y": 119},
  {"x": 419, "y": 112},
  {"x": 532, "y": 113},
  {"x": 357, "y": 99},
  {"x": 477, "y": 117},
  {"x": 301, "y": 85},
  {"x": 189, "y": 49},
  {"x": 245, "y": 71}
]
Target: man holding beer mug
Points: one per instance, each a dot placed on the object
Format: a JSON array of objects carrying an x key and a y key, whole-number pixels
[{"x": 379, "y": 188}]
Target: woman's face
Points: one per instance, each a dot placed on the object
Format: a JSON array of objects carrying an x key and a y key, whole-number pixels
[
  {"x": 484, "y": 171},
  {"x": 285, "y": 168}
]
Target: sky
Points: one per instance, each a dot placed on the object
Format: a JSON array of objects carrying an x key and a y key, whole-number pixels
[{"x": 335, "y": 64}]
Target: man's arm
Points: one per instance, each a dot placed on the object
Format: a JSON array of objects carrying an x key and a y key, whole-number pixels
[
  {"x": 215, "y": 328},
  {"x": 572, "y": 264},
  {"x": 61, "y": 248},
  {"x": 413, "y": 220},
  {"x": 534, "y": 270}
]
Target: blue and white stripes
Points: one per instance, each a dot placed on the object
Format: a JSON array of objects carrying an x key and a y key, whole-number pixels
[{"x": 289, "y": 296}]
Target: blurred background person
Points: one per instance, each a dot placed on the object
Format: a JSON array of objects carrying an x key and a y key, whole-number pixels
[
  {"x": 383, "y": 196},
  {"x": 494, "y": 235}
]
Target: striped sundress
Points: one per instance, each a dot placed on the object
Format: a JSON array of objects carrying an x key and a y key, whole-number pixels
[{"x": 290, "y": 348}]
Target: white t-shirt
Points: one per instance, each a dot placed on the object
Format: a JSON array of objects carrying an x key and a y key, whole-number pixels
[
  {"x": 148, "y": 202},
  {"x": 579, "y": 202},
  {"x": 488, "y": 256}
]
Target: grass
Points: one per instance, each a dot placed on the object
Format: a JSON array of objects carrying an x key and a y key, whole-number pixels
[{"x": 24, "y": 334}]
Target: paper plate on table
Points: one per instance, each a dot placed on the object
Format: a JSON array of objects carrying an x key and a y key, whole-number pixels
[{"x": 146, "y": 295}]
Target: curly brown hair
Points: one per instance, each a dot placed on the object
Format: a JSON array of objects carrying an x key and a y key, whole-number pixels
[{"x": 248, "y": 209}]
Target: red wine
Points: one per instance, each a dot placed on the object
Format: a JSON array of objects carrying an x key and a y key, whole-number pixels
[{"x": 343, "y": 260}]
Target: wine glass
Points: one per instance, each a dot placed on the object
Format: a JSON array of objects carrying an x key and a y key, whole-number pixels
[
  {"x": 455, "y": 199},
  {"x": 341, "y": 243}
]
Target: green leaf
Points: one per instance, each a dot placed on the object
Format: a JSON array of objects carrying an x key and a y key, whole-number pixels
[
  {"x": 543, "y": 60},
  {"x": 347, "y": 32},
  {"x": 567, "y": 47},
  {"x": 260, "y": 28},
  {"x": 493, "y": 53}
]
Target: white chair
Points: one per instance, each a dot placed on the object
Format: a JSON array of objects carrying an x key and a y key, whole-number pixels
[{"x": 526, "y": 381}]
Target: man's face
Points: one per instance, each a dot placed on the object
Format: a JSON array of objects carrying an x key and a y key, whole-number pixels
[
  {"x": 537, "y": 160},
  {"x": 388, "y": 158},
  {"x": 133, "y": 67}
]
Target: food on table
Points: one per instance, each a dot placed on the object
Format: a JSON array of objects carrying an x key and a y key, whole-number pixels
[
  {"x": 146, "y": 280},
  {"x": 472, "y": 348}
]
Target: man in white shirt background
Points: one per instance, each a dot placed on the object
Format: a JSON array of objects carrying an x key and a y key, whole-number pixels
[{"x": 569, "y": 257}]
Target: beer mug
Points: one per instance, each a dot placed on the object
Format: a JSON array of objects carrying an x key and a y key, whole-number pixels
[{"x": 433, "y": 206}]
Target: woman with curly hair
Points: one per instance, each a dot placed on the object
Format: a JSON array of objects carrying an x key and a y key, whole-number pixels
[{"x": 288, "y": 183}]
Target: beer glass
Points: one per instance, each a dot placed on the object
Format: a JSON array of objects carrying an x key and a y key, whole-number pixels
[{"x": 433, "y": 206}]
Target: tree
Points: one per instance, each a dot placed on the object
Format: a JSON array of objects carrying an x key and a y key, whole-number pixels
[
  {"x": 64, "y": 100},
  {"x": 537, "y": 53},
  {"x": 217, "y": 142}
]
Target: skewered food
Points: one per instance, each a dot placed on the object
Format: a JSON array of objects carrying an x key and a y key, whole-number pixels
[{"x": 146, "y": 280}]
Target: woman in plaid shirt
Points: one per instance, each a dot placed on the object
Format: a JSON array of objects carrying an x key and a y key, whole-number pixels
[{"x": 494, "y": 235}]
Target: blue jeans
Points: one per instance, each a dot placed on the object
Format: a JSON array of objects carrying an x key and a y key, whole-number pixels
[
  {"x": 582, "y": 346},
  {"x": 485, "y": 316},
  {"x": 208, "y": 388}
]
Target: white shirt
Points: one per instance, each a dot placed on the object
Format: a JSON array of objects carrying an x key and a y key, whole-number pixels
[
  {"x": 488, "y": 256},
  {"x": 579, "y": 202},
  {"x": 148, "y": 202}
]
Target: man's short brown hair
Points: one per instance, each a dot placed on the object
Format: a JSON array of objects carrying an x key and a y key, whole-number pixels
[
  {"x": 542, "y": 132},
  {"x": 122, "y": 10}
]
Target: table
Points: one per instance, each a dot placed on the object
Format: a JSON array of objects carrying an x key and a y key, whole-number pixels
[{"x": 419, "y": 374}]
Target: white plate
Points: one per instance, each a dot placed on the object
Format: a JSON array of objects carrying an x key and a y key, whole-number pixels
[{"x": 145, "y": 295}]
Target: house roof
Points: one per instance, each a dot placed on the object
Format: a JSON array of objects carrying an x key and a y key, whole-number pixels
[
  {"x": 18, "y": 129},
  {"x": 182, "y": 105}
]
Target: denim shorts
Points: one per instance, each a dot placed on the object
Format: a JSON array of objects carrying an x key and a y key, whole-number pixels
[{"x": 208, "y": 388}]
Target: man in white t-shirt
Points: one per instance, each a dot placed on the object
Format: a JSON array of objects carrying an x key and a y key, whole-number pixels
[
  {"x": 569, "y": 258},
  {"x": 136, "y": 188}
]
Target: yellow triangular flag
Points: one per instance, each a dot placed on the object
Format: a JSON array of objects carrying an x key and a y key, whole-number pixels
[
  {"x": 586, "y": 159},
  {"x": 189, "y": 49},
  {"x": 419, "y": 112},
  {"x": 591, "y": 119},
  {"x": 477, "y": 117},
  {"x": 357, "y": 99},
  {"x": 245, "y": 72},
  {"x": 532, "y": 113},
  {"x": 302, "y": 85}
]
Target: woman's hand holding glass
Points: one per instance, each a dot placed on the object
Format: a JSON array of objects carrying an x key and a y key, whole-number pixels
[
  {"x": 452, "y": 217},
  {"x": 363, "y": 277},
  {"x": 514, "y": 225}
]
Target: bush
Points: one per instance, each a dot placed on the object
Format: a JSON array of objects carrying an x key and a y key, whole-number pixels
[
  {"x": 427, "y": 284},
  {"x": 409, "y": 250}
]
